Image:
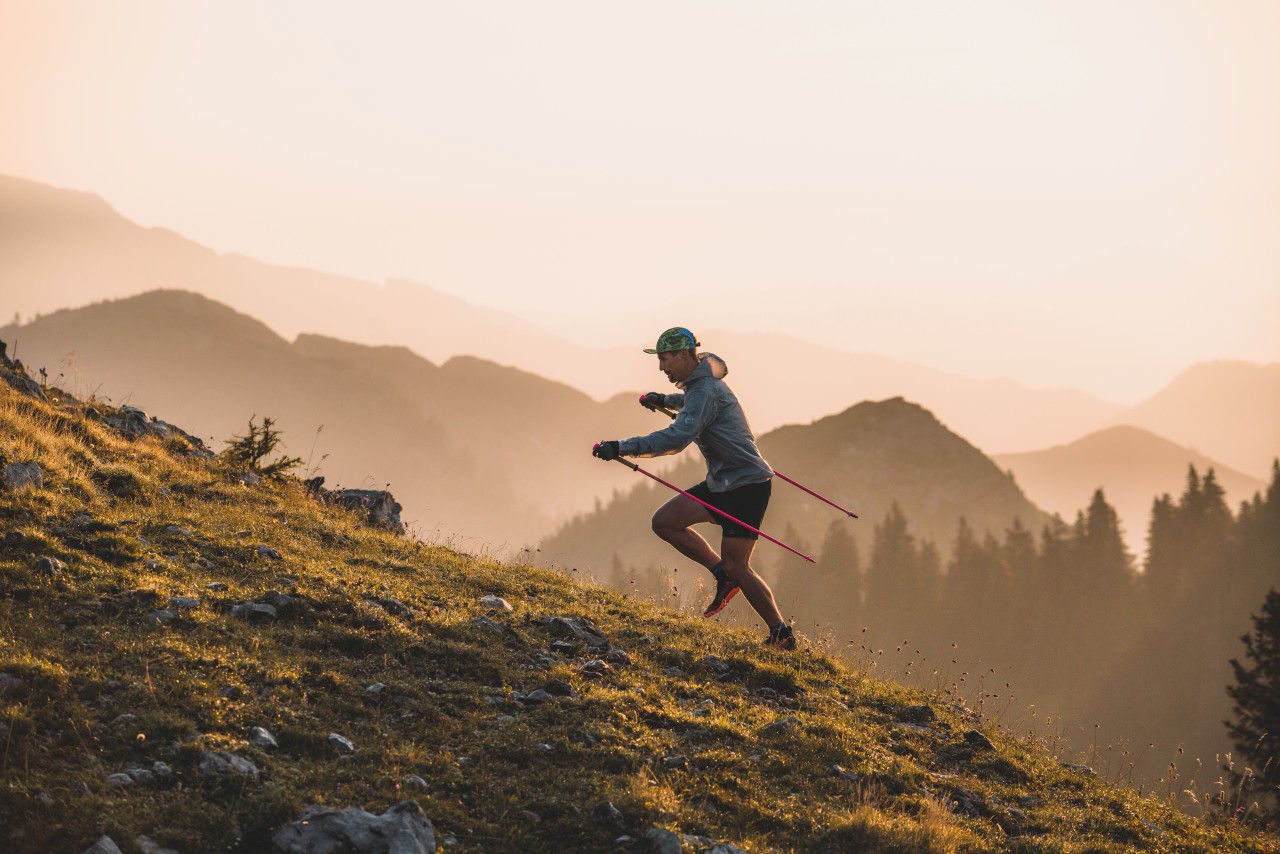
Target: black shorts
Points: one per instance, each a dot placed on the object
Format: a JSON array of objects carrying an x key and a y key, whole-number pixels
[{"x": 748, "y": 503}]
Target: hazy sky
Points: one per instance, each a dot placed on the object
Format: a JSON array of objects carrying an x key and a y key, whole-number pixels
[{"x": 1066, "y": 193}]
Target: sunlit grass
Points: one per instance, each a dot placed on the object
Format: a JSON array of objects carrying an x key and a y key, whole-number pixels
[{"x": 676, "y": 736}]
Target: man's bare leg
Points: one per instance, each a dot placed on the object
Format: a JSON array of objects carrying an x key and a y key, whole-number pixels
[
  {"x": 672, "y": 523},
  {"x": 737, "y": 565}
]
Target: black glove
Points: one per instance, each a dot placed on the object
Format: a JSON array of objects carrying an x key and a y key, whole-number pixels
[
  {"x": 605, "y": 450},
  {"x": 653, "y": 399}
]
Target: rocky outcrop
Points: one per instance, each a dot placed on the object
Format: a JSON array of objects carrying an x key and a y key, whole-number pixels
[
  {"x": 377, "y": 507},
  {"x": 403, "y": 829}
]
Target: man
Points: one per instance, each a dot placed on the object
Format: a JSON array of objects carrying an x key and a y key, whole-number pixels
[{"x": 738, "y": 481}]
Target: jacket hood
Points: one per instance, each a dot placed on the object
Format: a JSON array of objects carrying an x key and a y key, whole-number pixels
[{"x": 709, "y": 365}]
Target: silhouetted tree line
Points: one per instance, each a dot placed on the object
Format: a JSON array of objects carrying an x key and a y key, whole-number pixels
[{"x": 1142, "y": 657}]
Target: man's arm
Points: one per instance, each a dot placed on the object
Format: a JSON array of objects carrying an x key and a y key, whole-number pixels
[{"x": 696, "y": 412}]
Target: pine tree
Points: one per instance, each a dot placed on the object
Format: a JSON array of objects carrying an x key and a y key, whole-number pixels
[{"x": 1255, "y": 728}]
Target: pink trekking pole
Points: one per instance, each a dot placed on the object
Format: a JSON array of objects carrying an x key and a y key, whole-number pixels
[
  {"x": 848, "y": 513},
  {"x": 717, "y": 510}
]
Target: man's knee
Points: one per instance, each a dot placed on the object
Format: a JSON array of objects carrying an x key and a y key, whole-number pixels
[{"x": 664, "y": 527}]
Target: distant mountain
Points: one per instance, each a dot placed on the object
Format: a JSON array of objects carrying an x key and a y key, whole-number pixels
[
  {"x": 1133, "y": 466},
  {"x": 1227, "y": 410},
  {"x": 60, "y": 248},
  {"x": 866, "y": 458},
  {"x": 470, "y": 448}
]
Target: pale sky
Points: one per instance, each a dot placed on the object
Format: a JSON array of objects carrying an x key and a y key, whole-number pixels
[{"x": 1071, "y": 193}]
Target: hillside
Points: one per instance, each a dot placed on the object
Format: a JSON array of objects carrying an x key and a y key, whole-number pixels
[
  {"x": 1133, "y": 466},
  {"x": 445, "y": 436},
  {"x": 1244, "y": 401},
  {"x": 196, "y": 661},
  {"x": 867, "y": 458}
]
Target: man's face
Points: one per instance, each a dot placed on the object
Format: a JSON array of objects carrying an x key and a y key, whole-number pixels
[{"x": 677, "y": 365}]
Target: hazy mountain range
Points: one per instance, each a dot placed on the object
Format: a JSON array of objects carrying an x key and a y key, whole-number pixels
[{"x": 60, "y": 248}]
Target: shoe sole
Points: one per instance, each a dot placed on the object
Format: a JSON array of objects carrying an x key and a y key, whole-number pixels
[
  {"x": 711, "y": 612},
  {"x": 786, "y": 645}
]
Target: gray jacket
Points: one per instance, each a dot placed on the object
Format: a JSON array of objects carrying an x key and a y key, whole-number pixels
[{"x": 711, "y": 416}]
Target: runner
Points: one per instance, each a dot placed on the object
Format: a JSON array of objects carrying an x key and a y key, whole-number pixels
[{"x": 738, "y": 481}]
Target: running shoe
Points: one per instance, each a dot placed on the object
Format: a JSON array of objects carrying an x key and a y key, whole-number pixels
[
  {"x": 725, "y": 590},
  {"x": 782, "y": 637}
]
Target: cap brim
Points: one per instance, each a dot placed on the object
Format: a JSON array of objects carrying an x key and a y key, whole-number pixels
[{"x": 647, "y": 350}]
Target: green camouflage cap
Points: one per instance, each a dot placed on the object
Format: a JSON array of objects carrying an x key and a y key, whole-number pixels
[{"x": 675, "y": 338}]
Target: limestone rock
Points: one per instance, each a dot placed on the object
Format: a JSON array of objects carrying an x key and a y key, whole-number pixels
[
  {"x": 402, "y": 829},
  {"x": 220, "y": 764},
  {"x": 22, "y": 476},
  {"x": 262, "y": 737},
  {"x": 104, "y": 845}
]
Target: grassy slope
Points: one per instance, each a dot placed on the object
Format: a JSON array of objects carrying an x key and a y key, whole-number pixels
[{"x": 501, "y": 775}]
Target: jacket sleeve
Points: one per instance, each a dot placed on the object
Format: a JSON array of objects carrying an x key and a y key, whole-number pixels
[
  {"x": 698, "y": 410},
  {"x": 674, "y": 400}
]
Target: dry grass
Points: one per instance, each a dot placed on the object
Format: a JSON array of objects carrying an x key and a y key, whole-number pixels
[{"x": 135, "y": 523}]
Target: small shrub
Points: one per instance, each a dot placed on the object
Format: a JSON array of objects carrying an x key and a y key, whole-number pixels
[{"x": 247, "y": 452}]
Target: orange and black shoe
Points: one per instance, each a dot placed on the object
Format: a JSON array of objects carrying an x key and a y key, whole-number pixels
[
  {"x": 782, "y": 637},
  {"x": 725, "y": 590}
]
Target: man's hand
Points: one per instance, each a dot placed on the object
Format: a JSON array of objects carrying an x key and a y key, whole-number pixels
[
  {"x": 652, "y": 400},
  {"x": 607, "y": 450}
]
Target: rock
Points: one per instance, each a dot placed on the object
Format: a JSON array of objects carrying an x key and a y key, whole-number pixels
[
  {"x": 215, "y": 586},
  {"x": 220, "y": 764},
  {"x": 248, "y": 478},
  {"x": 139, "y": 774},
  {"x": 782, "y": 727},
  {"x": 161, "y": 769},
  {"x": 120, "y": 781},
  {"x": 341, "y": 744},
  {"x": 394, "y": 607},
  {"x": 415, "y": 780},
  {"x": 1081, "y": 769},
  {"x": 179, "y": 531},
  {"x": 184, "y": 603},
  {"x": 124, "y": 720},
  {"x": 838, "y": 771},
  {"x": 21, "y": 382},
  {"x": 978, "y": 740},
  {"x": 269, "y": 553},
  {"x": 402, "y": 829},
  {"x": 536, "y": 697},
  {"x": 375, "y": 688},
  {"x": 46, "y": 800},
  {"x": 104, "y": 845},
  {"x": 577, "y": 627},
  {"x": 9, "y": 683},
  {"x": 84, "y": 520},
  {"x": 254, "y": 611},
  {"x": 280, "y": 601},
  {"x": 618, "y": 657},
  {"x": 917, "y": 714},
  {"x": 262, "y": 737},
  {"x": 147, "y": 845},
  {"x": 662, "y": 841},
  {"x": 162, "y": 617},
  {"x": 48, "y": 565},
  {"x": 19, "y": 477},
  {"x": 558, "y": 688},
  {"x": 378, "y": 507},
  {"x": 606, "y": 813},
  {"x": 970, "y": 803},
  {"x": 496, "y": 603},
  {"x": 595, "y": 669},
  {"x": 676, "y": 761}
]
